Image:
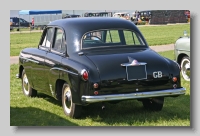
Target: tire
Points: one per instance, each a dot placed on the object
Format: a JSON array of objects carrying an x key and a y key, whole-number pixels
[
  {"x": 155, "y": 104},
  {"x": 70, "y": 109},
  {"x": 26, "y": 88},
  {"x": 185, "y": 63}
]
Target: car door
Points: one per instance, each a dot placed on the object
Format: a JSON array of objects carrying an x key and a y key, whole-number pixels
[
  {"x": 54, "y": 57},
  {"x": 39, "y": 77}
]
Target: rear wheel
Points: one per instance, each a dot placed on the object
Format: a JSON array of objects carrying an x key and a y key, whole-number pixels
[
  {"x": 26, "y": 88},
  {"x": 155, "y": 104},
  {"x": 70, "y": 109},
  {"x": 185, "y": 68}
]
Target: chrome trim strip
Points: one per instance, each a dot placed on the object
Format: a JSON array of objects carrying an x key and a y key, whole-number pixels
[
  {"x": 129, "y": 64},
  {"x": 27, "y": 59},
  {"x": 55, "y": 68},
  {"x": 135, "y": 95},
  {"x": 182, "y": 50}
]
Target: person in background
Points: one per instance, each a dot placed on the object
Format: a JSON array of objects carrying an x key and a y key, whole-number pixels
[
  {"x": 32, "y": 22},
  {"x": 137, "y": 15}
]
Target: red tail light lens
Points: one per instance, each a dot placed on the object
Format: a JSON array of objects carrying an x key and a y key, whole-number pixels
[
  {"x": 84, "y": 75},
  {"x": 96, "y": 92},
  {"x": 174, "y": 79}
]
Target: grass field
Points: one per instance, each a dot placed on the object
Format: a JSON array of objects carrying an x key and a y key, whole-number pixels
[
  {"x": 46, "y": 111},
  {"x": 154, "y": 35},
  {"x": 166, "y": 34}
]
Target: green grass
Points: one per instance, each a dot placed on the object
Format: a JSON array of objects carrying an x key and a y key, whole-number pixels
[
  {"x": 167, "y": 54},
  {"x": 166, "y": 34},
  {"x": 23, "y": 40},
  {"x": 46, "y": 111},
  {"x": 154, "y": 35},
  {"x": 21, "y": 29},
  {"x": 15, "y": 29}
]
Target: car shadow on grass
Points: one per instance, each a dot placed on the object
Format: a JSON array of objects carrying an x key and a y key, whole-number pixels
[
  {"x": 49, "y": 99},
  {"x": 30, "y": 116},
  {"x": 132, "y": 113}
]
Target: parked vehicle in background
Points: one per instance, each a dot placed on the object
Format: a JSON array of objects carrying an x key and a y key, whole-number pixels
[
  {"x": 14, "y": 22},
  {"x": 97, "y": 14},
  {"x": 11, "y": 27},
  {"x": 42, "y": 17},
  {"x": 123, "y": 15},
  {"x": 187, "y": 14},
  {"x": 71, "y": 16},
  {"x": 145, "y": 16},
  {"x": 86, "y": 60},
  {"x": 182, "y": 55}
]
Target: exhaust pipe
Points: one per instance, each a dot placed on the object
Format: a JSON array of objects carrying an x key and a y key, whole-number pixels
[{"x": 103, "y": 106}]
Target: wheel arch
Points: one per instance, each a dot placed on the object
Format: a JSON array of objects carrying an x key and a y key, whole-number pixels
[
  {"x": 21, "y": 68},
  {"x": 58, "y": 88},
  {"x": 180, "y": 57},
  {"x": 58, "y": 91}
]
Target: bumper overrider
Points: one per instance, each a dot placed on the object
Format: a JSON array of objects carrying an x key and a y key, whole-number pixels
[{"x": 135, "y": 95}]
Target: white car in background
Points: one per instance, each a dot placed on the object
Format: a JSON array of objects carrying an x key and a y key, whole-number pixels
[
  {"x": 182, "y": 55},
  {"x": 123, "y": 15}
]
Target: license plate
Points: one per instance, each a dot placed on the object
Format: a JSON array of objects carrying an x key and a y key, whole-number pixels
[{"x": 136, "y": 72}]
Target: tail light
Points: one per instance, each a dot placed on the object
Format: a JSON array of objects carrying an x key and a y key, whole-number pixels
[
  {"x": 84, "y": 75},
  {"x": 96, "y": 92},
  {"x": 174, "y": 79}
]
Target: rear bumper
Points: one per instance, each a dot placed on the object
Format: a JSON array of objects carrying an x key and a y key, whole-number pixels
[{"x": 135, "y": 95}]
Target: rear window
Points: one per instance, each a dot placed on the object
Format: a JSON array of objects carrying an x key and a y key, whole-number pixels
[{"x": 111, "y": 38}]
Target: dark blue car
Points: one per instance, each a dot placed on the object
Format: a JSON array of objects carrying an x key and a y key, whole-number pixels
[{"x": 80, "y": 61}]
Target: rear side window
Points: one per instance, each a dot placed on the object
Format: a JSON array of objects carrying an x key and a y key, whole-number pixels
[
  {"x": 111, "y": 38},
  {"x": 47, "y": 38},
  {"x": 59, "y": 42}
]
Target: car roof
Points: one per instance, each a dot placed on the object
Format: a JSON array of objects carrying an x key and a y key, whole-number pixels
[
  {"x": 93, "y": 23},
  {"x": 75, "y": 28}
]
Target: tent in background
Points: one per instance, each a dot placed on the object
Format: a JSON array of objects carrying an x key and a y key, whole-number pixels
[{"x": 37, "y": 12}]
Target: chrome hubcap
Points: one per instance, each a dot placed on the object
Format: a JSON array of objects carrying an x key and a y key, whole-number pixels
[
  {"x": 186, "y": 70},
  {"x": 25, "y": 84},
  {"x": 67, "y": 100}
]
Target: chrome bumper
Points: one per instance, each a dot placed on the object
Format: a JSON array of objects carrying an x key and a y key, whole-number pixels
[{"x": 135, "y": 95}]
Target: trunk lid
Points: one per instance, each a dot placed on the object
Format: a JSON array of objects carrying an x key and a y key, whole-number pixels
[{"x": 116, "y": 77}]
